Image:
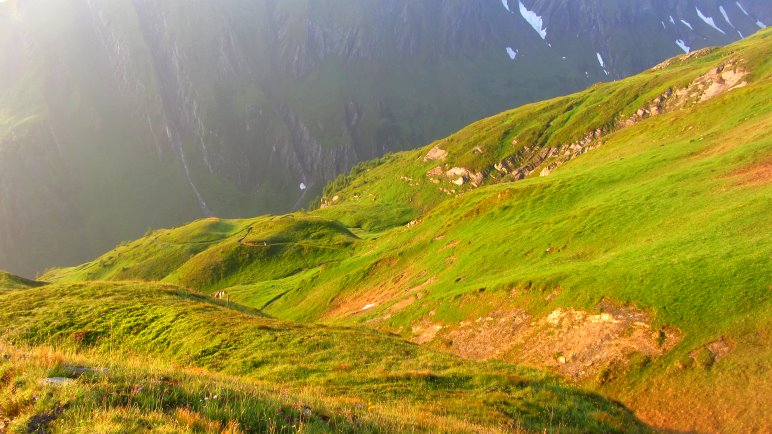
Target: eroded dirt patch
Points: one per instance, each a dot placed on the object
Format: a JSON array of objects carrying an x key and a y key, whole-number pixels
[
  {"x": 755, "y": 175},
  {"x": 575, "y": 343},
  {"x": 385, "y": 294}
]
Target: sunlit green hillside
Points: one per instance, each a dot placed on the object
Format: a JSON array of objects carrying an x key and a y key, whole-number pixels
[{"x": 618, "y": 237}]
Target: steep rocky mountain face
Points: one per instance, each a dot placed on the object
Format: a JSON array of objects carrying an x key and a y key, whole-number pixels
[{"x": 123, "y": 115}]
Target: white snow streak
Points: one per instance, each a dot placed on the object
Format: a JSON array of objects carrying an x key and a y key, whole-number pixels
[
  {"x": 683, "y": 45},
  {"x": 602, "y": 64},
  {"x": 534, "y": 20},
  {"x": 506, "y": 5},
  {"x": 761, "y": 25},
  {"x": 742, "y": 8},
  {"x": 686, "y": 23},
  {"x": 708, "y": 20},
  {"x": 600, "y": 60},
  {"x": 672, "y": 21},
  {"x": 726, "y": 16},
  {"x": 512, "y": 53},
  {"x": 369, "y": 306}
]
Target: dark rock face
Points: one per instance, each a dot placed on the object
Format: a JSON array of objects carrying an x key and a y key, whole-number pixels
[{"x": 119, "y": 116}]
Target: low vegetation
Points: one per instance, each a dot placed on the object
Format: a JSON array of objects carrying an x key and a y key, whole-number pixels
[
  {"x": 646, "y": 234},
  {"x": 193, "y": 362}
]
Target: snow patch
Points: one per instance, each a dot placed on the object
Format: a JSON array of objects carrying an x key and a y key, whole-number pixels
[
  {"x": 369, "y": 306},
  {"x": 683, "y": 45},
  {"x": 708, "y": 20},
  {"x": 742, "y": 8},
  {"x": 303, "y": 186},
  {"x": 761, "y": 25},
  {"x": 663, "y": 24},
  {"x": 672, "y": 21},
  {"x": 506, "y": 5},
  {"x": 726, "y": 17},
  {"x": 512, "y": 53},
  {"x": 534, "y": 20},
  {"x": 686, "y": 23},
  {"x": 602, "y": 64}
]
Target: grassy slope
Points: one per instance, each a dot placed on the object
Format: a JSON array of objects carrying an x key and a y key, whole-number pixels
[
  {"x": 9, "y": 282},
  {"x": 670, "y": 215},
  {"x": 387, "y": 383}
]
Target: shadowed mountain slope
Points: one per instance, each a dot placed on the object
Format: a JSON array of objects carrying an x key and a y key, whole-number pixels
[{"x": 124, "y": 115}]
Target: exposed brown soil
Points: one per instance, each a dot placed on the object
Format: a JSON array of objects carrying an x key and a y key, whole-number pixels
[
  {"x": 395, "y": 289},
  {"x": 575, "y": 343},
  {"x": 752, "y": 176},
  {"x": 730, "y": 393}
]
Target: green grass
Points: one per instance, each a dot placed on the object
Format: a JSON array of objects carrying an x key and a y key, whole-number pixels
[
  {"x": 144, "y": 395},
  {"x": 9, "y": 282},
  {"x": 380, "y": 374},
  {"x": 670, "y": 215}
]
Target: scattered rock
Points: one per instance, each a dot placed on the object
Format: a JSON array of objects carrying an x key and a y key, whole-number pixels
[
  {"x": 461, "y": 176},
  {"x": 723, "y": 78},
  {"x": 57, "y": 381},
  {"x": 712, "y": 352},
  {"x": 436, "y": 154},
  {"x": 437, "y": 171},
  {"x": 77, "y": 371},
  {"x": 720, "y": 348},
  {"x": 575, "y": 343},
  {"x": 527, "y": 160}
]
